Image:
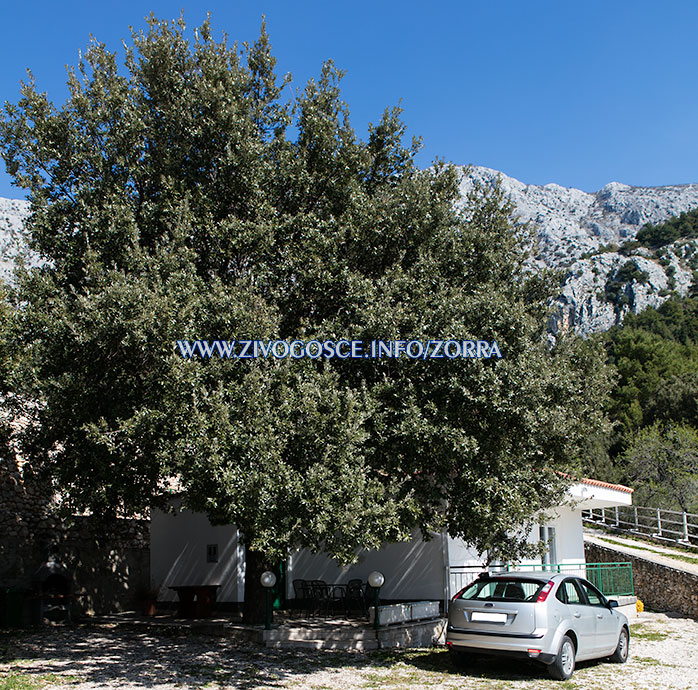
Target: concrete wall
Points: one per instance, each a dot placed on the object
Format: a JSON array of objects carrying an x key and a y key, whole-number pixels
[
  {"x": 178, "y": 555},
  {"x": 660, "y": 587}
]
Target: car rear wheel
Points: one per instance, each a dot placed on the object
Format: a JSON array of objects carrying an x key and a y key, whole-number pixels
[
  {"x": 620, "y": 656},
  {"x": 563, "y": 666}
]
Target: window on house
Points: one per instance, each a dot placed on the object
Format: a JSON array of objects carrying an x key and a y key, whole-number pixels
[
  {"x": 212, "y": 553},
  {"x": 547, "y": 536}
]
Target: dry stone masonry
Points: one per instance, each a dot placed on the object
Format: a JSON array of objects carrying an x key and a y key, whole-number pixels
[
  {"x": 659, "y": 587},
  {"x": 109, "y": 564}
]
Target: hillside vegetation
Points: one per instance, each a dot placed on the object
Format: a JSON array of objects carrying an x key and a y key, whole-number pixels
[
  {"x": 654, "y": 405},
  {"x": 682, "y": 226}
]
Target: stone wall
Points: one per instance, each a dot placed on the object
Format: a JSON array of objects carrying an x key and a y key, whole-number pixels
[
  {"x": 660, "y": 587},
  {"x": 109, "y": 563}
]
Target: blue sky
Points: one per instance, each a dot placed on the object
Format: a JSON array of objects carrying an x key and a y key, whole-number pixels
[{"x": 579, "y": 94}]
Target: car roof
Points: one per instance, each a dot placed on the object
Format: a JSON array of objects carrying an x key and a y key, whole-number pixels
[{"x": 543, "y": 575}]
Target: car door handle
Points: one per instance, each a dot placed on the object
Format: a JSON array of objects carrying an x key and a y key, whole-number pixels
[
  {"x": 599, "y": 616},
  {"x": 577, "y": 615}
]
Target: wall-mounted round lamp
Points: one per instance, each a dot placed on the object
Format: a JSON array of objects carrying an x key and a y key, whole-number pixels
[
  {"x": 268, "y": 580},
  {"x": 376, "y": 580}
]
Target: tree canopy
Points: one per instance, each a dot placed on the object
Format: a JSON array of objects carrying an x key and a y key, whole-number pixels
[
  {"x": 684, "y": 225},
  {"x": 185, "y": 195},
  {"x": 656, "y": 356},
  {"x": 662, "y": 462}
]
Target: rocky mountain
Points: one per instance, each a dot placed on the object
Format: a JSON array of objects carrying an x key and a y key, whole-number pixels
[
  {"x": 589, "y": 236},
  {"x": 12, "y": 241}
]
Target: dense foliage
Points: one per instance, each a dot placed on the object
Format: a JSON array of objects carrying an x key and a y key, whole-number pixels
[
  {"x": 182, "y": 197},
  {"x": 676, "y": 319},
  {"x": 654, "y": 403},
  {"x": 684, "y": 225},
  {"x": 663, "y": 461}
]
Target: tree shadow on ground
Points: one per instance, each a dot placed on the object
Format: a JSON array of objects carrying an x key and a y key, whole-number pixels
[{"x": 118, "y": 657}]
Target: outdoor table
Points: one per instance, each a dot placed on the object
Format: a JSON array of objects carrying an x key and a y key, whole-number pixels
[{"x": 195, "y": 600}]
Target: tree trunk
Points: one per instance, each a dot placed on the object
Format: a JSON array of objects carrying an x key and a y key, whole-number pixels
[{"x": 254, "y": 608}]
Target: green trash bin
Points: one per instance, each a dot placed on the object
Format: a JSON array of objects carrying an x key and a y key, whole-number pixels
[{"x": 13, "y": 607}]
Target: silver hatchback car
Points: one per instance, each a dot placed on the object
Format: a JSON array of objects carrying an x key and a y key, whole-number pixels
[{"x": 556, "y": 619}]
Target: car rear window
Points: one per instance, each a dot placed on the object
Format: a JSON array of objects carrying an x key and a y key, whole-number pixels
[{"x": 503, "y": 589}]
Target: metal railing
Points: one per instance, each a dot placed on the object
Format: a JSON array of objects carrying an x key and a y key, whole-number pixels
[
  {"x": 612, "y": 579},
  {"x": 670, "y": 525},
  {"x": 460, "y": 576}
]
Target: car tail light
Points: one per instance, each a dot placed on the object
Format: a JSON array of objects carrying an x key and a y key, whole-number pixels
[
  {"x": 545, "y": 591},
  {"x": 534, "y": 652},
  {"x": 459, "y": 593}
]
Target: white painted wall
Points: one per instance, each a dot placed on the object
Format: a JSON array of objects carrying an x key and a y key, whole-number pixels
[
  {"x": 460, "y": 553},
  {"x": 413, "y": 570},
  {"x": 178, "y": 555},
  {"x": 569, "y": 535}
]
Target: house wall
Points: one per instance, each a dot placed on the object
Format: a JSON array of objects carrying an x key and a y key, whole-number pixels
[
  {"x": 569, "y": 536},
  {"x": 460, "y": 553},
  {"x": 178, "y": 555},
  {"x": 465, "y": 563},
  {"x": 413, "y": 570}
]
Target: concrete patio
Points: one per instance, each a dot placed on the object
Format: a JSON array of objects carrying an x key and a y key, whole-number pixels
[{"x": 287, "y": 630}]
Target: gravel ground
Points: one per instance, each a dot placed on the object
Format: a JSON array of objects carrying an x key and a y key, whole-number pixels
[{"x": 663, "y": 655}]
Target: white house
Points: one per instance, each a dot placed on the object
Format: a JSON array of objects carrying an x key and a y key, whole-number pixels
[{"x": 187, "y": 550}]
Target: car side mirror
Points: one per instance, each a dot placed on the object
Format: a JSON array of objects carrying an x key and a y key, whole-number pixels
[{"x": 613, "y": 604}]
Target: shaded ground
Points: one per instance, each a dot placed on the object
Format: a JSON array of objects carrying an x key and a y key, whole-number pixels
[{"x": 84, "y": 658}]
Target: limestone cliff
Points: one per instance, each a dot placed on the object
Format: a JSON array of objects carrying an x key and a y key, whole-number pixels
[{"x": 581, "y": 233}]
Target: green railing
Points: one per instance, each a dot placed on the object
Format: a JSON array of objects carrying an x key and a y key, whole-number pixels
[{"x": 612, "y": 579}]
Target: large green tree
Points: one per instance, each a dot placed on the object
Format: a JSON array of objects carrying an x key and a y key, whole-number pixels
[
  {"x": 662, "y": 462},
  {"x": 656, "y": 359},
  {"x": 187, "y": 196}
]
